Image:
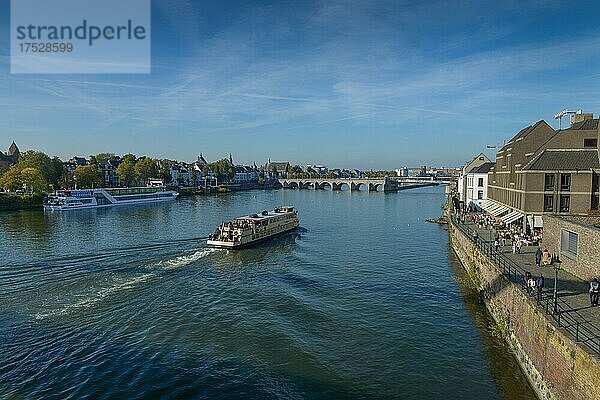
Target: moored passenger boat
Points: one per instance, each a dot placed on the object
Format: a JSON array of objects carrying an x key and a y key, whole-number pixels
[
  {"x": 94, "y": 198},
  {"x": 251, "y": 229}
]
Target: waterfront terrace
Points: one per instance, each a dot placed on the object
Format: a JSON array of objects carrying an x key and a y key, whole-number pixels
[{"x": 555, "y": 339}]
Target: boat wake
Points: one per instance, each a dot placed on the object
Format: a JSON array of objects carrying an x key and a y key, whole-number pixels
[
  {"x": 187, "y": 259},
  {"x": 123, "y": 284}
]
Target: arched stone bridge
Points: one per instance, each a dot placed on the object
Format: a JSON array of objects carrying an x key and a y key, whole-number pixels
[{"x": 353, "y": 184}]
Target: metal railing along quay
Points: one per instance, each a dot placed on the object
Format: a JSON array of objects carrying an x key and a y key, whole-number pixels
[{"x": 567, "y": 317}]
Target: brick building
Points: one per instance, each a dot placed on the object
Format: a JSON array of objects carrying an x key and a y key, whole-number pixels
[
  {"x": 542, "y": 171},
  {"x": 577, "y": 241}
]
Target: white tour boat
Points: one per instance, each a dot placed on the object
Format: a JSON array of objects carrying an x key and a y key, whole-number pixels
[
  {"x": 95, "y": 198},
  {"x": 244, "y": 231}
]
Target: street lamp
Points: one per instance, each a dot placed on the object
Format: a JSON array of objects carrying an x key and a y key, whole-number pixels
[{"x": 555, "y": 297}]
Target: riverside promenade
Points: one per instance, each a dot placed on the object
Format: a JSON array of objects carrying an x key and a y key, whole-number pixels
[{"x": 572, "y": 312}]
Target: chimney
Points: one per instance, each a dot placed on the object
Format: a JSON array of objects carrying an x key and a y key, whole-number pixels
[{"x": 580, "y": 116}]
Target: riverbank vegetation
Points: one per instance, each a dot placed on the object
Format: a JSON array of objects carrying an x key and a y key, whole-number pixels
[
  {"x": 37, "y": 173},
  {"x": 10, "y": 201}
]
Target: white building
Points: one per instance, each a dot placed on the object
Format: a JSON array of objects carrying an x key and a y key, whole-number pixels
[
  {"x": 316, "y": 168},
  {"x": 402, "y": 172},
  {"x": 246, "y": 174},
  {"x": 473, "y": 181}
]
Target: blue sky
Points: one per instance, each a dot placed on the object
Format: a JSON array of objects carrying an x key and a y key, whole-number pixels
[{"x": 378, "y": 84}]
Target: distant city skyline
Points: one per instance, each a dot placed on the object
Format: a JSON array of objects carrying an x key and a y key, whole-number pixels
[
  {"x": 344, "y": 83},
  {"x": 259, "y": 163}
]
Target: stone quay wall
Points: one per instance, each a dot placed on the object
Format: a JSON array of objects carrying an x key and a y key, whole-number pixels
[
  {"x": 587, "y": 263},
  {"x": 556, "y": 366}
]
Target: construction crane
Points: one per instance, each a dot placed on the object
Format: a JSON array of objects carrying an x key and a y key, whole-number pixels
[{"x": 564, "y": 112}]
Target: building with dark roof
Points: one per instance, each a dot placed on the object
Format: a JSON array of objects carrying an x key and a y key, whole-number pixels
[
  {"x": 246, "y": 174},
  {"x": 473, "y": 181},
  {"x": 108, "y": 171},
  {"x": 546, "y": 171},
  {"x": 201, "y": 166},
  {"x": 11, "y": 157},
  {"x": 483, "y": 169},
  {"x": 564, "y": 159},
  {"x": 277, "y": 169},
  {"x": 75, "y": 162}
]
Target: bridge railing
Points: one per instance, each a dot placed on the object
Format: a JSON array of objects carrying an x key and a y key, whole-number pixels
[{"x": 568, "y": 318}]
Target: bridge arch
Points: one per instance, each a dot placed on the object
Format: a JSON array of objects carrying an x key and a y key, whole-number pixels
[
  {"x": 375, "y": 187},
  {"x": 326, "y": 185},
  {"x": 340, "y": 186},
  {"x": 356, "y": 186}
]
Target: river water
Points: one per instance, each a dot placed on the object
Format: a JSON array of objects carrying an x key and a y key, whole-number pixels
[{"x": 365, "y": 301}]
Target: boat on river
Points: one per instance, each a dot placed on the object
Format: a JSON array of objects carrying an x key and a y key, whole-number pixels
[
  {"x": 63, "y": 200},
  {"x": 255, "y": 228}
]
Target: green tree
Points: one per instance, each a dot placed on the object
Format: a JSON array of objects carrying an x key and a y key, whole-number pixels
[
  {"x": 105, "y": 157},
  {"x": 164, "y": 171},
  {"x": 60, "y": 171},
  {"x": 40, "y": 161},
  {"x": 87, "y": 176},
  {"x": 146, "y": 168},
  {"x": 129, "y": 158},
  {"x": 296, "y": 171},
  {"x": 11, "y": 180},
  {"x": 29, "y": 178},
  {"x": 126, "y": 172},
  {"x": 223, "y": 170},
  {"x": 33, "y": 180}
]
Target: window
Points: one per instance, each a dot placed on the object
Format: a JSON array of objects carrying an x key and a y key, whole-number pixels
[
  {"x": 480, "y": 195},
  {"x": 569, "y": 243},
  {"x": 565, "y": 182},
  {"x": 548, "y": 203},
  {"x": 480, "y": 182},
  {"x": 549, "y": 182},
  {"x": 470, "y": 181},
  {"x": 564, "y": 203},
  {"x": 590, "y": 142}
]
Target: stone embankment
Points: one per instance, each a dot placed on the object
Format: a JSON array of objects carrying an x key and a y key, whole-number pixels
[{"x": 556, "y": 364}]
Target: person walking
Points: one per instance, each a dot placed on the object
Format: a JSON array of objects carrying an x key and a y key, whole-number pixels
[
  {"x": 545, "y": 258},
  {"x": 539, "y": 285},
  {"x": 594, "y": 291},
  {"x": 526, "y": 281},
  {"x": 538, "y": 257}
]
